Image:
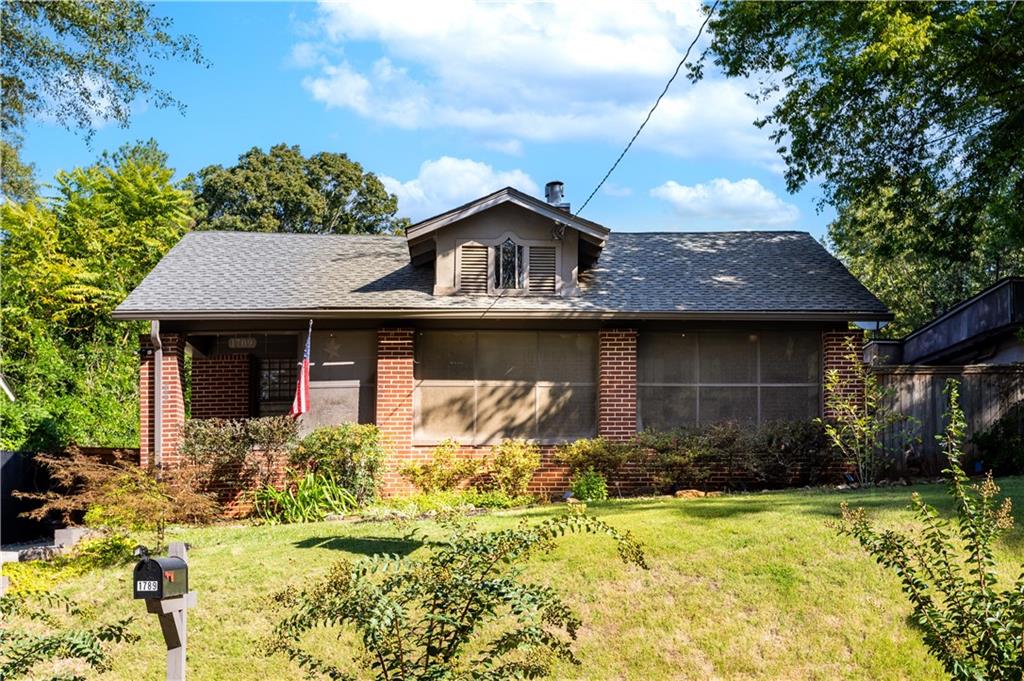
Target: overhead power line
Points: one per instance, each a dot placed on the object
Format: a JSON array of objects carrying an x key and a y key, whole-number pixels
[{"x": 651, "y": 112}]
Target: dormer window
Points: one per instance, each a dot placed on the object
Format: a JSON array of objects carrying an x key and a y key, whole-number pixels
[{"x": 509, "y": 266}]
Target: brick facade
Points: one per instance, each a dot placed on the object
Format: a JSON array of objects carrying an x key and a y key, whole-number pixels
[
  {"x": 835, "y": 353},
  {"x": 616, "y": 413},
  {"x": 395, "y": 355},
  {"x": 221, "y": 387},
  {"x": 173, "y": 398}
]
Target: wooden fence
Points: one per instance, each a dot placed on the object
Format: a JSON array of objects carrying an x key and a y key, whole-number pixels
[{"x": 987, "y": 392}]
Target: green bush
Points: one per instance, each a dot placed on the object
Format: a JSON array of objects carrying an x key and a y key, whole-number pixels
[
  {"x": 445, "y": 471},
  {"x": 304, "y": 498},
  {"x": 1000, "y": 448},
  {"x": 606, "y": 457},
  {"x": 239, "y": 452},
  {"x": 589, "y": 485},
  {"x": 679, "y": 458},
  {"x": 949, "y": 572},
  {"x": 104, "y": 551},
  {"x": 512, "y": 465},
  {"x": 351, "y": 453},
  {"x": 454, "y": 500},
  {"x": 793, "y": 453},
  {"x": 44, "y": 636},
  {"x": 462, "y": 611}
]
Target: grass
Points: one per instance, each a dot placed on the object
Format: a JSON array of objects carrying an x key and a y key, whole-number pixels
[{"x": 740, "y": 587}]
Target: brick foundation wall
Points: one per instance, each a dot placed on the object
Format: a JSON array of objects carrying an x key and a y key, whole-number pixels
[
  {"x": 835, "y": 356},
  {"x": 616, "y": 414},
  {"x": 173, "y": 397},
  {"x": 221, "y": 387}
]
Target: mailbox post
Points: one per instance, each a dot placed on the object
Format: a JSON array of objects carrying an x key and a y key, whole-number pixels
[{"x": 163, "y": 583}]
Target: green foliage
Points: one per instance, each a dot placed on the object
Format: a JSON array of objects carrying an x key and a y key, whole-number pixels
[
  {"x": 604, "y": 456},
  {"x": 589, "y": 485},
  {"x": 949, "y": 572},
  {"x": 67, "y": 264},
  {"x": 456, "y": 500},
  {"x": 511, "y": 466},
  {"x": 83, "y": 64},
  {"x": 910, "y": 112},
  {"x": 1000, "y": 448},
  {"x": 681, "y": 458},
  {"x": 106, "y": 550},
  {"x": 41, "y": 637},
  {"x": 792, "y": 453},
  {"x": 284, "y": 191},
  {"x": 351, "y": 452},
  {"x": 17, "y": 179},
  {"x": 463, "y": 611},
  {"x": 445, "y": 471},
  {"x": 237, "y": 451},
  {"x": 861, "y": 415},
  {"x": 305, "y": 498}
]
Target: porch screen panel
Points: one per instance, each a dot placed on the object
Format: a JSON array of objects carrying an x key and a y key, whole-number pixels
[
  {"x": 706, "y": 377},
  {"x": 342, "y": 378},
  {"x": 485, "y": 386}
]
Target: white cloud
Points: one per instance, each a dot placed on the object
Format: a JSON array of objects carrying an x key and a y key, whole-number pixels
[
  {"x": 512, "y": 147},
  {"x": 447, "y": 182},
  {"x": 723, "y": 204},
  {"x": 617, "y": 191},
  {"x": 578, "y": 70}
]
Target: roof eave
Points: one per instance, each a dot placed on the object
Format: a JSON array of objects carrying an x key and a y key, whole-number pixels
[{"x": 419, "y": 313}]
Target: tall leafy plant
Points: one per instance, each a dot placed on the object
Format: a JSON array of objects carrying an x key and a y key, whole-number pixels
[
  {"x": 949, "y": 570},
  {"x": 861, "y": 414},
  {"x": 462, "y": 611}
]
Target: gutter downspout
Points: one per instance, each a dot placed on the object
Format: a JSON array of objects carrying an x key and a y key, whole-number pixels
[{"x": 158, "y": 393}]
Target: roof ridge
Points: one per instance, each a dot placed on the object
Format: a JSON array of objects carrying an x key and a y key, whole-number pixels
[
  {"x": 717, "y": 231},
  {"x": 251, "y": 233}
]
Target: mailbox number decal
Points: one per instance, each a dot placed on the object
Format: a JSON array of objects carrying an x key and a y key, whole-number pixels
[{"x": 146, "y": 585}]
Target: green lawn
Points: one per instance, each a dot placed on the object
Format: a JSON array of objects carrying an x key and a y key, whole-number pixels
[{"x": 750, "y": 586}]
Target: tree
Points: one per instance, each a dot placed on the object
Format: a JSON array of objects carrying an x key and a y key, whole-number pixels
[
  {"x": 17, "y": 179},
  {"x": 81, "y": 63},
  {"x": 911, "y": 114},
  {"x": 284, "y": 191},
  {"x": 67, "y": 264}
]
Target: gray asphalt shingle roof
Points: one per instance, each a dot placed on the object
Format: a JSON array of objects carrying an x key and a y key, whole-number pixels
[{"x": 654, "y": 272}]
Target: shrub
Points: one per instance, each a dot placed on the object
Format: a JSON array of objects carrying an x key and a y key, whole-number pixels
[
  {"x": 305, "y": 498},
  {"x": 39, "y": 644},
  {"x": 512, "y": 465},
  {"x": 455, "y": 500},
  {"x": 787, "y": 453},
  {"x": 604, "y": 456},
  {"x": 949, "y": 572},
  {"x": 463, "y": 611},
  {"x": 679, "y": 458},
  {"x": 861, "y": 416},
  {"x": 117, "y": 493},
  {"x": 104, "y": 551},
  {"x": 444, "y": 472},
  {"x": 1000, "y": 448},
  {"x": 241, "y": 451},
  {"x": 351, "y": 453},
  {"x": 589, "y": 485}
]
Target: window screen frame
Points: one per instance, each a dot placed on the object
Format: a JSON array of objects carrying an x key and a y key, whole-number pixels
[
  {"x": 493, "y": 245},
  {"x": 697, "y": 384},
  {"x": 479, "y": 386}
]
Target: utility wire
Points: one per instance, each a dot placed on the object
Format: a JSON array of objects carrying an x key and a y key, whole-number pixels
[{"x": 651, "y": 112}]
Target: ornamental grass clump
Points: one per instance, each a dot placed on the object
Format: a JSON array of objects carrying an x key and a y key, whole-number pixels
[
  {"x": 463, "y": 611},
  {"x": 949, "y": 572}
]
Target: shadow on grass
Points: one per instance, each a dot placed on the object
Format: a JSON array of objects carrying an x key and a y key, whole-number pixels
[{"x": 366, "y": 546}]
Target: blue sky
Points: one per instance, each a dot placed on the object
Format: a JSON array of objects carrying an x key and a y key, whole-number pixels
[{"x": 448, "y": 102}]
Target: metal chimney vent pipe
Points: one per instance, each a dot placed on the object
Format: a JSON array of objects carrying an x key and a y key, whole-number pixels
[{"x": 554, "y": 193}]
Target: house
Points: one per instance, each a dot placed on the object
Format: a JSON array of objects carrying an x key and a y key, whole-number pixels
[{"x": 505, "y": 317}]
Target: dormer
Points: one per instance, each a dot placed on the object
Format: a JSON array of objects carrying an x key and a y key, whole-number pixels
[{"x": 509, "y": 244}]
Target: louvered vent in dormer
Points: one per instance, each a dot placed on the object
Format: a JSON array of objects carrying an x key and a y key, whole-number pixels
[
  {"x": 473, "y": 274},
  {"x": 542, "y": 270}
]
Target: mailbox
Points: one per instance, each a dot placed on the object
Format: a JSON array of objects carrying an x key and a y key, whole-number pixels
[{"x": 161, "y": 577}]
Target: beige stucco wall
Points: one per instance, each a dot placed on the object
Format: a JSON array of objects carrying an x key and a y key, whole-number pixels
[{"x": 492, "y": 224}]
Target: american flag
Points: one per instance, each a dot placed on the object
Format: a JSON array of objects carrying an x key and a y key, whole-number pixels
[{"x": 300, "y": 405}]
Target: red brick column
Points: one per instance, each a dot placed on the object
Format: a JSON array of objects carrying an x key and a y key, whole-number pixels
[
  {"x": 173, "y": 397},
  {"x": 835, "y": 353},
  {"x": 616, "y": 413},
  {"x": 221, "y": 387},
  {"x": 394, "y": 401}
]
